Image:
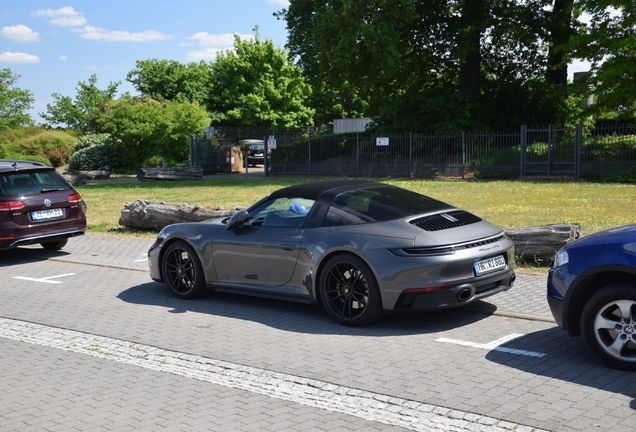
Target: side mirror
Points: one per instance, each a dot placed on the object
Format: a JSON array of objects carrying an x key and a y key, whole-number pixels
[{"x": 237, "y": 219}]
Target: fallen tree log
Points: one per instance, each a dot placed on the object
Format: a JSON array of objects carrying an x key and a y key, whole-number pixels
[
  {"x": 156, "y": 215},
  {"x": 79, "y": 178},
  {"x": 541, "y": 243},
  {"x": 185, "y": 173}
]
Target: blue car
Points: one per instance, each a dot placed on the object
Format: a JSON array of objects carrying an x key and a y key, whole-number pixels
[{"x": 592, "y": 293}]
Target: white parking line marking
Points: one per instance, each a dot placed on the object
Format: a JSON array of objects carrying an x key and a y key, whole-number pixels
[
  {"x": 494, "y": 345},
  {"x": 145, "y": 259},
  {"x": 376, "y": 407},
  {"x": 44, "y": 280}
]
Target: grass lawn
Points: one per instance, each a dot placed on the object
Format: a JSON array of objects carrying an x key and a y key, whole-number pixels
[
  {"x": 506, "y": 203},
  {"x": 509, "y": 204}
]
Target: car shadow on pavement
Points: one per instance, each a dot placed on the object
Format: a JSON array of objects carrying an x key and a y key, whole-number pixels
[
  {"x": 564, "y": 358},
  {"x": 296, "y": 317},
  {"x": 24, "y": 255}
]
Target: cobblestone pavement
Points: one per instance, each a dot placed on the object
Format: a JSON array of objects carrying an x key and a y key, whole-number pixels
[{"x": 102, "y": 347}]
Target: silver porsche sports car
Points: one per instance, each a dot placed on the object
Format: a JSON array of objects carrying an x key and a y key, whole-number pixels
[{"x": 358, "y": 248}]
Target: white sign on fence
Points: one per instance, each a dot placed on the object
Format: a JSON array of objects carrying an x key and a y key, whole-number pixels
[
  {"x": 384, "y": 141},
  {"x": 271, "y": 143}
]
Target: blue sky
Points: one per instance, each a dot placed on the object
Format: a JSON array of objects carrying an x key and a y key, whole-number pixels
[{"x": 53, "y": 45}]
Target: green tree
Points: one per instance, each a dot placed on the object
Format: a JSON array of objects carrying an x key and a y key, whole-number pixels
[
  {"x": 609, "y": 42},
  {"x": 171, "y": 80},
  {"x": 14, "y": 102},
  {"x": 143, "y": 127},
  {"x": 430, "y": 64},
  {"x": 258, "y": 86},
  {"x": 78, "y": 114}
]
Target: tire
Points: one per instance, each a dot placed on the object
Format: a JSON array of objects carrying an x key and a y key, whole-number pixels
[
  {"x": 56, "y": 245},
  {"x": 182, "y": 271},
  {"x": 349, "y": 291},
  {"x": 608, "y": 325}
]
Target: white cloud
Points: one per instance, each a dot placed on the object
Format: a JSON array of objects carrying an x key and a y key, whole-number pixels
[
  {"x": 20, "y": 33},
  {"x": 11, "y": 57},
  {"x": 215, "y": 40},
  {"x": 284, "y": 3},
  {"x": 63, "y": 17},
  {"x": 96, "y": 33},
  {"x": 206, "y": 53},
  {"x": 62, "y": 57},
  {"x": 212, "y": 45}
]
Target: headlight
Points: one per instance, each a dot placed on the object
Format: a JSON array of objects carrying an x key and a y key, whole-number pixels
[{"x": 561, "y": 259}]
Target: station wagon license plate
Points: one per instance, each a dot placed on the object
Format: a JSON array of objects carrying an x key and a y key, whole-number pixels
[
  {"x": 490, "y": 264},
  {"x": 47, "y": 214}
]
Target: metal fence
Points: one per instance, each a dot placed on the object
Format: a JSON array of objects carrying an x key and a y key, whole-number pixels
[{"x": 530, "y": 151}]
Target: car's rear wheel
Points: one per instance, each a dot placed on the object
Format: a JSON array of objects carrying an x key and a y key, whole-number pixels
[
  {"x": 182, "y": 271},
  {"x": 349, "y": 291},
  {"x": 56, "y": 245},
  {"x": 608, "y": 325}
]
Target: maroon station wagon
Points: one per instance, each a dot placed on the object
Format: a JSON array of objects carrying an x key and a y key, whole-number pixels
[{"x": 38, "y": 206}]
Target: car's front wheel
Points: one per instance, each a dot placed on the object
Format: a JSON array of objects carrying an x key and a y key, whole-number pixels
[
  {"x": 182, "y": 271},
  {"x": 608, "y": 325},
  {"x": 56, "y": 245},
  {"x": 349, "y": 291}
]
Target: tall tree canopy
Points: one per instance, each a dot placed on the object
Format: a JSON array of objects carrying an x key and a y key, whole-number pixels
[
  {"x": 14, "y": 102},
  {"x": 78, "y": 114},
  {"x": 144, "y": 127},
  {"x": 171, "y": 80},
  {"x": 435, "y": 64},
  {"x": 609, "y": 41},
  {"x": 257, "y": 85}
]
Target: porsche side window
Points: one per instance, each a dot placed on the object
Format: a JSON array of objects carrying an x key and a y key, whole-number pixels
[{"x": 289, "y": 212}]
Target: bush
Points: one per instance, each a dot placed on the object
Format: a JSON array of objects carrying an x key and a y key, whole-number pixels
[
  {"x": 33, "y": 158},
  {"x": 86, "y": 141},
  {"x": 54, "y": 146},
  {"x": 95, "y": 157}
]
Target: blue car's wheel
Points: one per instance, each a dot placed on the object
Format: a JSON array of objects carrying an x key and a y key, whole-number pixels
[
  {"x": 608, "y": 325},
  {"x": 349, "y": 291},
  {"x": 182, "y": 271}
]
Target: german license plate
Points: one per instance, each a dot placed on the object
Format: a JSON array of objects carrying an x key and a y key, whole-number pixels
[
  {"x": 47, "y": 214},
  {"x": 490, "y": 264}
]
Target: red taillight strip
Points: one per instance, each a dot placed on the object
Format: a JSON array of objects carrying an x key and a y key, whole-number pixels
[
  {"x": 7, "y": 238},
  {"x": 74, "y": 198},
  {"x": 425, "y": 290},
  {"x": 11, "y": 205}
]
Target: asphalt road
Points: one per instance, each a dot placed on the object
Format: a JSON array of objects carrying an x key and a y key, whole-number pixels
[{"x": 89, "y": 342}]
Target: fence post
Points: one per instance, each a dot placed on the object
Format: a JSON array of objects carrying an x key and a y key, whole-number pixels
[
  {"x": 191, "y": 152},
  {"x": 522, "y": 151},
  {"x": 309, "y": 142},
  {"x": 357, "y": 155},
  {"x": 411, "y": 154},
  {"x": 265, "y": 158},
  {"x": 463, "y": 153},
  {"x": 578, "y": 147},
  {"x": 550, "y": 147}
]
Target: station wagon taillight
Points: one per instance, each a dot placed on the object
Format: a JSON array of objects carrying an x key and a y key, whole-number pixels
[
  {"x": 74, "y": 198},
  {"x": 11, "y": 205}
]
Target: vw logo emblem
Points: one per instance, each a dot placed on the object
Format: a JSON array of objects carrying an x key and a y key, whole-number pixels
[{"x": 47, "y": 202}]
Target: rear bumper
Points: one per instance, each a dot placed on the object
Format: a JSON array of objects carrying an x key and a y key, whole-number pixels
[
  {"x": 41, "y": 238},
  {"x": 456, "y": 295}
]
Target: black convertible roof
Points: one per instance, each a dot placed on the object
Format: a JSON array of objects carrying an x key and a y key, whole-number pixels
[{"x": 314, "y": 190}]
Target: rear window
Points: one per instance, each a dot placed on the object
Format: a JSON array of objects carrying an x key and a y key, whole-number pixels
[
  {"x": 378, "y": 204},
  {"x": 31, "y": 182}
]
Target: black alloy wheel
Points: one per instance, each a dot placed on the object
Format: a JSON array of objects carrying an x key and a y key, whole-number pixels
[
  {"x": 182, "y": 271},
  {"x": 349, "y": 291},
  {"x": 608, "y": 325}
]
